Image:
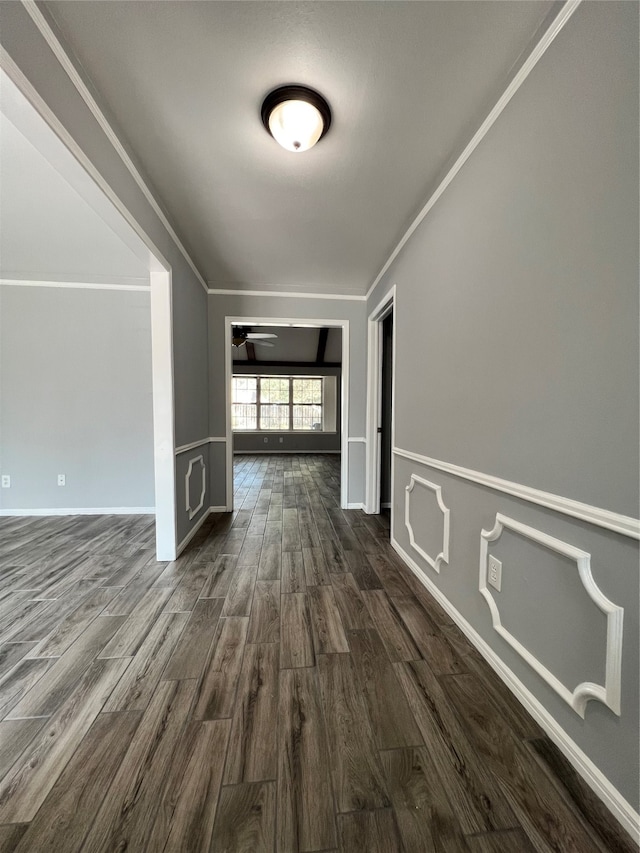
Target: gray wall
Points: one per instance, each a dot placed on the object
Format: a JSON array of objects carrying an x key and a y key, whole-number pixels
[
  {"x": 521, "y": 287},
  {"x": 28, "y": 49},
  {"x": 308, "y": 442},
  {"x": 75, "y": 398},
  {"x": 302, "y": 309}
]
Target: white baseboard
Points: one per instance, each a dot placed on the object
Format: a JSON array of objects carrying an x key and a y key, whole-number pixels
[
  {"x": 100, "y": 510},
  {"x": 621, "y": 809},
  {"x": 355, "y": 506},
  {"x": 198, "y": 525}
]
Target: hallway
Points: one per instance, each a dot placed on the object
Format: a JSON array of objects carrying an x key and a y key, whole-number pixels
[{"x": 285, "y": 685}]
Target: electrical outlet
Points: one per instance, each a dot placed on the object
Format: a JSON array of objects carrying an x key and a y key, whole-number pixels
[
  {"x": 266, "y": 440},
  {"x": 62, "y": 480},
  {"x": 6, "y": 481},
  {"x": 495, "y": 573},
  {"x": 281, "y": 439}
]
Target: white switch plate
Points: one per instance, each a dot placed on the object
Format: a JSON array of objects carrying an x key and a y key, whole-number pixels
[
  {"x": 494, "y": 573},
  {"x": 62, "y": 480},
  {"x": 6, "y": 481},
  {"x": 281, "y": 439}
]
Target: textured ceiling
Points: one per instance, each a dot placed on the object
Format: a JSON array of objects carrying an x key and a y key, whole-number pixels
[{"x": 408, "y": 83}]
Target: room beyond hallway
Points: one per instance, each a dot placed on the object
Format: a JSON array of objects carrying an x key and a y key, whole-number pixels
[{"x": 286, "y": 684}]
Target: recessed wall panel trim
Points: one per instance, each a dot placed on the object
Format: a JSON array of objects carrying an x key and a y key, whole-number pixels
[
  {"x": 443, "y": 555},
  {"x": 609, "y": 693}
]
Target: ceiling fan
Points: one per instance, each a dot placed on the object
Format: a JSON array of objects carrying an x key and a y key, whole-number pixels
[{"x": 241, "y": 336}]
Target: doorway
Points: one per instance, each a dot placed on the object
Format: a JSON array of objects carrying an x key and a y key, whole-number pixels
[
  {"x": 232, "y": 322},
  {"x": 380, "y": 397},
  {"x": 386, "y": 393}
]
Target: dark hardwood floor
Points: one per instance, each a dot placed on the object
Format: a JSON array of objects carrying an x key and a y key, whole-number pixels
[{"x": 285, "y": 685}]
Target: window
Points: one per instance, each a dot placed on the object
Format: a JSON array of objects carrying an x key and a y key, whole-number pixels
[{"x": 280, "y": 403}]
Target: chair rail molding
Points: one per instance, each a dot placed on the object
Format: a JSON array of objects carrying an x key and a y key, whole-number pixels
[
  {"x": 625, "y": 525},
  {"x": 196, "y": 461},
  {"x": 443, "y": 556},
  {"x": 609, "y": 693}
]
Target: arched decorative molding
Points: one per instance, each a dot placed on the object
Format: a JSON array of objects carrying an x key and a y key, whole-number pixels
[
  {"x": 196, "y": 462},
  {"x": 609, "y": 693},
  {"x": 443, "y": 556}
]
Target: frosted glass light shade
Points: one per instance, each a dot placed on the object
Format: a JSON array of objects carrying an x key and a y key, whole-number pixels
[
  {"x": 296, "y": 117},
  {"x": 296, "y": 125}
]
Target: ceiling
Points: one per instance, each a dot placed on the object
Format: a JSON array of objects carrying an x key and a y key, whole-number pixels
[
  {"x": 408, "y": 83},
  {"x": 293, "y": 345},
  {"x": 54, "y": 223}
]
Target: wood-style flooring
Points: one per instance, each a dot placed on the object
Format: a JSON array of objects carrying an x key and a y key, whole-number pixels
[{"x": 285, "y": 685}]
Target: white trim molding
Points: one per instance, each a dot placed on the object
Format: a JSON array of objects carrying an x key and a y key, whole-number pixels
[
  {"x": 621, "y": 809},
  {"x": 212, "y": 291},
  {"x": 443, "y": 556},
  {"x": 357, "y": 439},
  {"x": 609, "y": 693},
  {"x": 84, "y": 510},
  {"x": 623, "y": 524},
  {"x": 193, "y": 511},
  {"x": 523, "y": 72},
  {"x": 184, "y": 447},
  {"x": 76, "y": 285},
  {"x": 209, "y": 440}
]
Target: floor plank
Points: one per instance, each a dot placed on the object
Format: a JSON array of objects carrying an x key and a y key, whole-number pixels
[
  {"x": 296, "y": 643},
  {"x": 185, "y": 818},
  {"x": 192, "y": 649},
  {"x": 326, "y": 626},
  {"x": 245, "y": 822},
  {"x": 369, "y": 832},
  {"x": 125, "y": 820},
  {"x": 216, "y": 693},
  {"x": 252, "y": 753},
  {"x": 425, "y": 816},
  {"x": 305, "y": 797},
  {"x": 358, "y": 781},
  {"x": 264, "y": 624},
  {"x": 62, "y": 822},
  {"x": 27, "y": 784}
]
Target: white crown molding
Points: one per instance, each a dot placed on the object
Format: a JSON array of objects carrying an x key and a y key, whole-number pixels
[
  {"x": 193, "y": 511},
  {"x": 623, "y": 524},
  {"x": 621, "y": 809},
  {"x": 77, "y": 285},
  {"x": 213, "y": 291},
  {"x": 357, "y": 438},
  {"x": 609, "y": 693},
  {"x": 209, "y": 440},
  {"x": 443, "y": 556},
  {"x": 84, "y": 510},
  {"x": 527, "y": 67},
  {"x": 59, "y": 52}
]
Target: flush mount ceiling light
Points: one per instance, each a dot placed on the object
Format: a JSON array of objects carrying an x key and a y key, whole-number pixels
[{"x": 296, "y": 116}]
